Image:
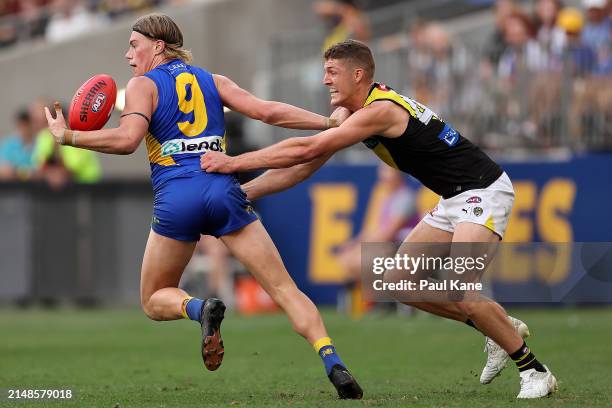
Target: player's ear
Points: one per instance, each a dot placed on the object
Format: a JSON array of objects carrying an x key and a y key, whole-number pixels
[
  {"x": 159, "y": 46},
  {"x": 358, "y": 75}
]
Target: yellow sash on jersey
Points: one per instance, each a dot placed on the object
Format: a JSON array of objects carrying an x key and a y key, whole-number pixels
[{"x": 380, "y": 93}]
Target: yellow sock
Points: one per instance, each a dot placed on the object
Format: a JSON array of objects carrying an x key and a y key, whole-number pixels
[
  {"x": 322, "y": 342},
  {"x": 184, "y": 305}
]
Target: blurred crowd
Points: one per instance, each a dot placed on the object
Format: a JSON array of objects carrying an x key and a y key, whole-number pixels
[
  {"x": 31, "y": 154},
  {"x": 542, "y": 79},
  {"x": 57, "y": 20},
  {"x": 549, "y": 72}
]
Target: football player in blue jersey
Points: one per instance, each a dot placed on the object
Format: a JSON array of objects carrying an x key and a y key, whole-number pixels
[{"x": 178, "y": 108}]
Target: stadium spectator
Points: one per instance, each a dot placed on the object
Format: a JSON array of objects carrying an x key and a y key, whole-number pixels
[
  {"x": 33, "y": 19},
  {"x": 8, "y": 28},
  {"x": 522, "y": 50},
  {"x": 590, "y": 92},
  {"x": 549, "y": 35},
  {"x": 16, "y": 161},
  {"x": 59, "y": 165},
  {"x": 529, "y": 90},
  {"x": 436, "y": 62},
  {"x": 496, "y": 44},
  {"x": 597, "y": 34},
  {"x": 345, "y": 19},
  {"x": 71, "y": 18},
  {"x": 118, "y": 8},
  {"x": 580, "y": 58}
]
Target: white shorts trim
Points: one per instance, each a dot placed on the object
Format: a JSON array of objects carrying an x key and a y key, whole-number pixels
[{"x": 489, "y": 207}]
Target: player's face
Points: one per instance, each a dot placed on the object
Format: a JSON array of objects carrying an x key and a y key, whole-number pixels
[
  {"x": 339, "y": 78},
  {"x": 140, "y": 53}
]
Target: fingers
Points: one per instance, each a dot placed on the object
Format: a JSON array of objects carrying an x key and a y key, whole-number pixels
[
  {"x": 205, "y": 161},
  {"x": 58, "y": 110}
]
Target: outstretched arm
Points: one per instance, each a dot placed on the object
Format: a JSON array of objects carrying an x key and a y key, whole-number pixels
[
  {"x": 369, "y": 121},
  {"x": 120, "y": 140},
  {"x": 276, "y": 180},
  {"x": 270, "y": 112}
]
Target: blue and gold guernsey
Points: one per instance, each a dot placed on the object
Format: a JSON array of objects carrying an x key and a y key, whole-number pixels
[{"x": 188, "y": 122}]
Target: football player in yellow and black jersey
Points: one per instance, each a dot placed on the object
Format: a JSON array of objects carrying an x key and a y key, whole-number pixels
[{"x": 410, "y": 137}]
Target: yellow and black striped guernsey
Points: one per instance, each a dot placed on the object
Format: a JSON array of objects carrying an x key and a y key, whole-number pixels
[{"x": 431, "y": 150}]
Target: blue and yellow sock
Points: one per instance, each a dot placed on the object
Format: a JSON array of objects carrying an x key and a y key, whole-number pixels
[
  {"x": 328, "y": 354},
  {"x": 192, "y": 308}
]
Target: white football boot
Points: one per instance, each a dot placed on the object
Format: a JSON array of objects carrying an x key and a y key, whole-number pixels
[
  {"x": 535, "y": 384},
  {"x": 497, "y": 358}
]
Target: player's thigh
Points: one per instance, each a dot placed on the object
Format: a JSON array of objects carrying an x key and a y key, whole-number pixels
[
  {"x": 254, "y": 248},
  {"x": 163, "y": 264},
  {"x": 427, "y": 240},
  {"x": 212, "y": 246},
  {"x": 474, "y": 240},
  {"x": 423, "y": 232},
  {"x": 423, "y": 241},
  {"x": 479, "y": 243},
  {"x": 466, "y": 231}
]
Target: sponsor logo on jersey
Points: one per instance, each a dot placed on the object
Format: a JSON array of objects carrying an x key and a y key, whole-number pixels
[
  {"x": 449, "y": 136},
  {"x": 474, "y": 199},
  {"x": 187, "y": 146},
  {"x": 98, "y": 102},
  {"x": 176, "y": 66}
]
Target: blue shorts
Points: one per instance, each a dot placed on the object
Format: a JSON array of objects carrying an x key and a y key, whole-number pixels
[{"x": 200, "y": 204}]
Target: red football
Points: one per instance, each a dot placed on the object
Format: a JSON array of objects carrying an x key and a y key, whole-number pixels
[{"x": 93, "y": 103}]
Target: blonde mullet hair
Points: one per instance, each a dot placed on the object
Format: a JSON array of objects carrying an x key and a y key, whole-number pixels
[
  {"x": 157, "y": 26},
  {"x": 178, "y": 53}
]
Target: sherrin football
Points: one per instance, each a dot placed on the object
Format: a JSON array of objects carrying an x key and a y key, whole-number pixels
[{"x": 93, "y": 103}]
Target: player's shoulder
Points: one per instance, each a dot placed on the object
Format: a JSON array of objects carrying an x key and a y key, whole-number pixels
[
  {"x": 141, "y": 87},
  {"x": 140, "y": 82},
  {"x": 383, "y": 110},
  {"x": 221, "y": 81}
]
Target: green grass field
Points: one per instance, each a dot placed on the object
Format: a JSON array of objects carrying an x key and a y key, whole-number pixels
[{"x": 118, "y": 358}]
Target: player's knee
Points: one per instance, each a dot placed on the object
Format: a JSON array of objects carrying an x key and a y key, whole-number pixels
[{"x": 149, "y": 310}]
